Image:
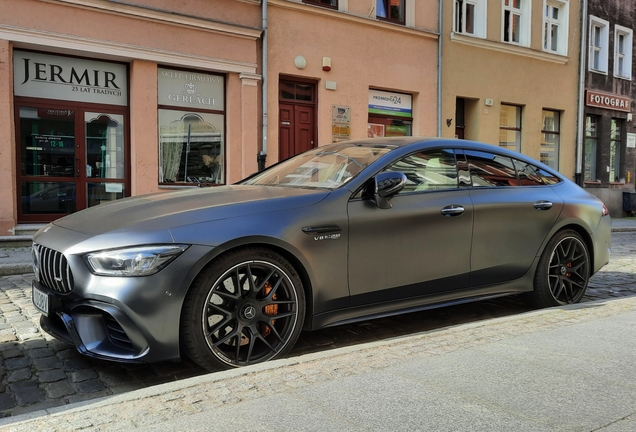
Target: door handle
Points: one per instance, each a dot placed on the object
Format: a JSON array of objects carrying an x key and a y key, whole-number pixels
[
  {"x": 543, "y": 205},
  {"x": 452, "y": 210}
]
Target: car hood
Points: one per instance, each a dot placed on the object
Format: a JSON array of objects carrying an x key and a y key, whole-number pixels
[{"x": 171, "y": 209}]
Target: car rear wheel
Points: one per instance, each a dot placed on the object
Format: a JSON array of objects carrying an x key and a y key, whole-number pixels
[
  {"x": 246, "y": 308},
  {"x": 563, "y": 271}
]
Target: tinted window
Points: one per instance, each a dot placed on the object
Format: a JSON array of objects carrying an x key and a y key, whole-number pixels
[
  {"x": 427, "y": 171},
  {"x": 488, "y": 169},
  {"x": 530, "y": 175}
]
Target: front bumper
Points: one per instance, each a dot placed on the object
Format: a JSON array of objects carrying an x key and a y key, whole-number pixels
[
  {"x": 96, "y": 329},
  {"x": 125, "y": 319}
]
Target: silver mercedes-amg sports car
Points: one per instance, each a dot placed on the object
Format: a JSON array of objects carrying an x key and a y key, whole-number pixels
[{"x": 229, "y": 276}]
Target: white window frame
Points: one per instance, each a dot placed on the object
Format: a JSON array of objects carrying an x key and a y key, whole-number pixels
[
  {"x": 525, "y": 15},
  {"x": 628, "y": 34},
  {"x": 602, "y": 49},
  {"x": 562, "y": 22},
  {"x": 479, "y": 18}
]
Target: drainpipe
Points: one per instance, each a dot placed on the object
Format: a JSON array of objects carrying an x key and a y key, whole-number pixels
[
  {"x": 439, "y": 68},
  {"x": 580, "y": 129},
  {"x": 262, "y": 156}
]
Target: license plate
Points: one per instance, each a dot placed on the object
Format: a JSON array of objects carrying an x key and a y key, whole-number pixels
[{"x": 41, "y": 300}]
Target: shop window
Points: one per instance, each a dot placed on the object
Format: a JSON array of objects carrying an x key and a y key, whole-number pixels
[
  {"x": 510, "y": 127},
  {"x": 391, "y": 10},
  {"x": 470, "y": 17},
  {"x": 599, "y": 43},
  {"x": 327, "y": 3},
  {"x": 623, "y": 52},
  {"x": 555, "y": 26},
  {"x": 516, "y": 22},
  {"x": 551, "y": 131},
  {"x": 591, "y": 138},
  {"x": 191, "y": 147},
  {"x": 615, "y": 149},
  {"x": 191, "y": 116}
]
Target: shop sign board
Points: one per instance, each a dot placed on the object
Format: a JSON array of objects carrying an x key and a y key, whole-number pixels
[
  {"x": 608, "y": 101},
  {"x": 390, "y": 103},
  {"x": 68, "y": 78},
  {"x": 190, "y": 89}
]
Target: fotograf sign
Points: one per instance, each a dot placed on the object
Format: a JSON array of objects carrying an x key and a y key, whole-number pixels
[
  {"x": 609, "y": 101},
  {"x": 68, "y": 78}
]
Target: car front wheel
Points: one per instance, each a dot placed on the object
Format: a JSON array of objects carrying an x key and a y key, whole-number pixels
[
  {"x": 246, "y": 308},
  {"x": 563, "y": 271}
]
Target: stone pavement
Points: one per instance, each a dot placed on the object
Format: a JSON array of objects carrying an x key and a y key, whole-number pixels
[
  {"x": 39, "y": 375},
  {"x": 569, "y": 368}
]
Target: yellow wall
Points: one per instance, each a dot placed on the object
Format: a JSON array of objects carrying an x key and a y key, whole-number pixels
[{"x": 477, "y": 69}]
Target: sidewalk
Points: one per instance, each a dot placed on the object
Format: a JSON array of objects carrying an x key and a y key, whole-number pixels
[
  {"x": 570, "y": 368},
  {"x": 17, "y": 260}
]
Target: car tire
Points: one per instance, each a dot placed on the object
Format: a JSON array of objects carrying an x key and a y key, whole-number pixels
[
  {"x": 563, "y": 271},
  {"x": 247, "y": 307}
]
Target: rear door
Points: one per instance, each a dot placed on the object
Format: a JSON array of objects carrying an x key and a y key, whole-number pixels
[{"x": 512, "y": 218}]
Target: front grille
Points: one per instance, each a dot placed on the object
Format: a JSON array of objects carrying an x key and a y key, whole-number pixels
[{"x": 52, "y": 269}]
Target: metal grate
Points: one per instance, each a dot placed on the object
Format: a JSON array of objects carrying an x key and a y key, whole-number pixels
[{"x": 53, "y": 269}]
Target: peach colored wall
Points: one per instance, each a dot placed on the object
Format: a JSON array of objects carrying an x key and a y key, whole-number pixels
[
  {"x": 198, "y": 32},
  {"x": 528, "y": 78},
  {"x": 7, "y": 142},
  {"x": 364, "y": 53},
  {"x": 96, "y": 24},
  {"x": 144, "y": 133}
]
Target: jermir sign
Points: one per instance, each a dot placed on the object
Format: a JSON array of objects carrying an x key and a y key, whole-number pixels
[{"x": 69, "y": 78}]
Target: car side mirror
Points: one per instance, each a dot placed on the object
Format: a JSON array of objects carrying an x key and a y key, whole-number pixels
[{"x": 387, "y": 185}]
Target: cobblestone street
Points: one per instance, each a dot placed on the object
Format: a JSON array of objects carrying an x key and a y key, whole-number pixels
[{"x": 38, "y": 372}]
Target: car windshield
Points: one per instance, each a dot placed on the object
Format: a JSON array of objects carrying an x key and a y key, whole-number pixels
[{"x": 327, "y": 167}]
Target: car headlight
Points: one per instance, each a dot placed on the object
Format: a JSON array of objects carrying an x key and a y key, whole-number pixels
[{"x": 135, "y": 261}]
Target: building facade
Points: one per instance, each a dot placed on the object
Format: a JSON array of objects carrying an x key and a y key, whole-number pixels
[
  {"x": 609, "y": 149},
  {"x": 100, "y": 100},
  {"x": 510, "y": 74},
  {"x": 346, "y": 69}
]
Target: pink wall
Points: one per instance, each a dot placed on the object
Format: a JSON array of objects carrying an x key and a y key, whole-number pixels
[{"x": 364, "y": 53}]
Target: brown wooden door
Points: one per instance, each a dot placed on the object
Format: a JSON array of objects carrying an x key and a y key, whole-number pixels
[{"x": 296, "y": 129}]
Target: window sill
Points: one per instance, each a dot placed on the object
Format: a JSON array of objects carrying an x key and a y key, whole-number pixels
[
  {"x": 598, "y": 71},
  {"x": 508, "y": 48}
]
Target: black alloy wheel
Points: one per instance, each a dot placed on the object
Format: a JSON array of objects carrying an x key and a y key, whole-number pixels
[
  {"x": 563, "y": 272},
  {"x": 247, "y": 308}
]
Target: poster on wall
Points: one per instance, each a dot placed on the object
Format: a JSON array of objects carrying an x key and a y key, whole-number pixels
[
  {"x": 375, "y": 130},
  {"x": 631, "y": 140},
  {"x": 69, "y": 78},
  {"x": 341, "y": 126}
]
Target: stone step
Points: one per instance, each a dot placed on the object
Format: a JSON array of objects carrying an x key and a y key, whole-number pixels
[
  {"x": 26, "y": 229},
  {"x": 16, "y": 241}
]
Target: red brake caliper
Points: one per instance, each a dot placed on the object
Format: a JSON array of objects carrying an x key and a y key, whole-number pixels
[{"x": 271, "y": 309}]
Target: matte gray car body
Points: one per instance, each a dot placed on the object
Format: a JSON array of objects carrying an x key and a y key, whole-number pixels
[{"x": 355, "y": 260}]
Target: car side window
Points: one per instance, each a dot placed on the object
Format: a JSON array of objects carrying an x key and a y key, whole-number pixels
[
  {"x": 489, "y": 169},
  {"x": 530, "y": 175},
  {"x": 427, "y": 171}
]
